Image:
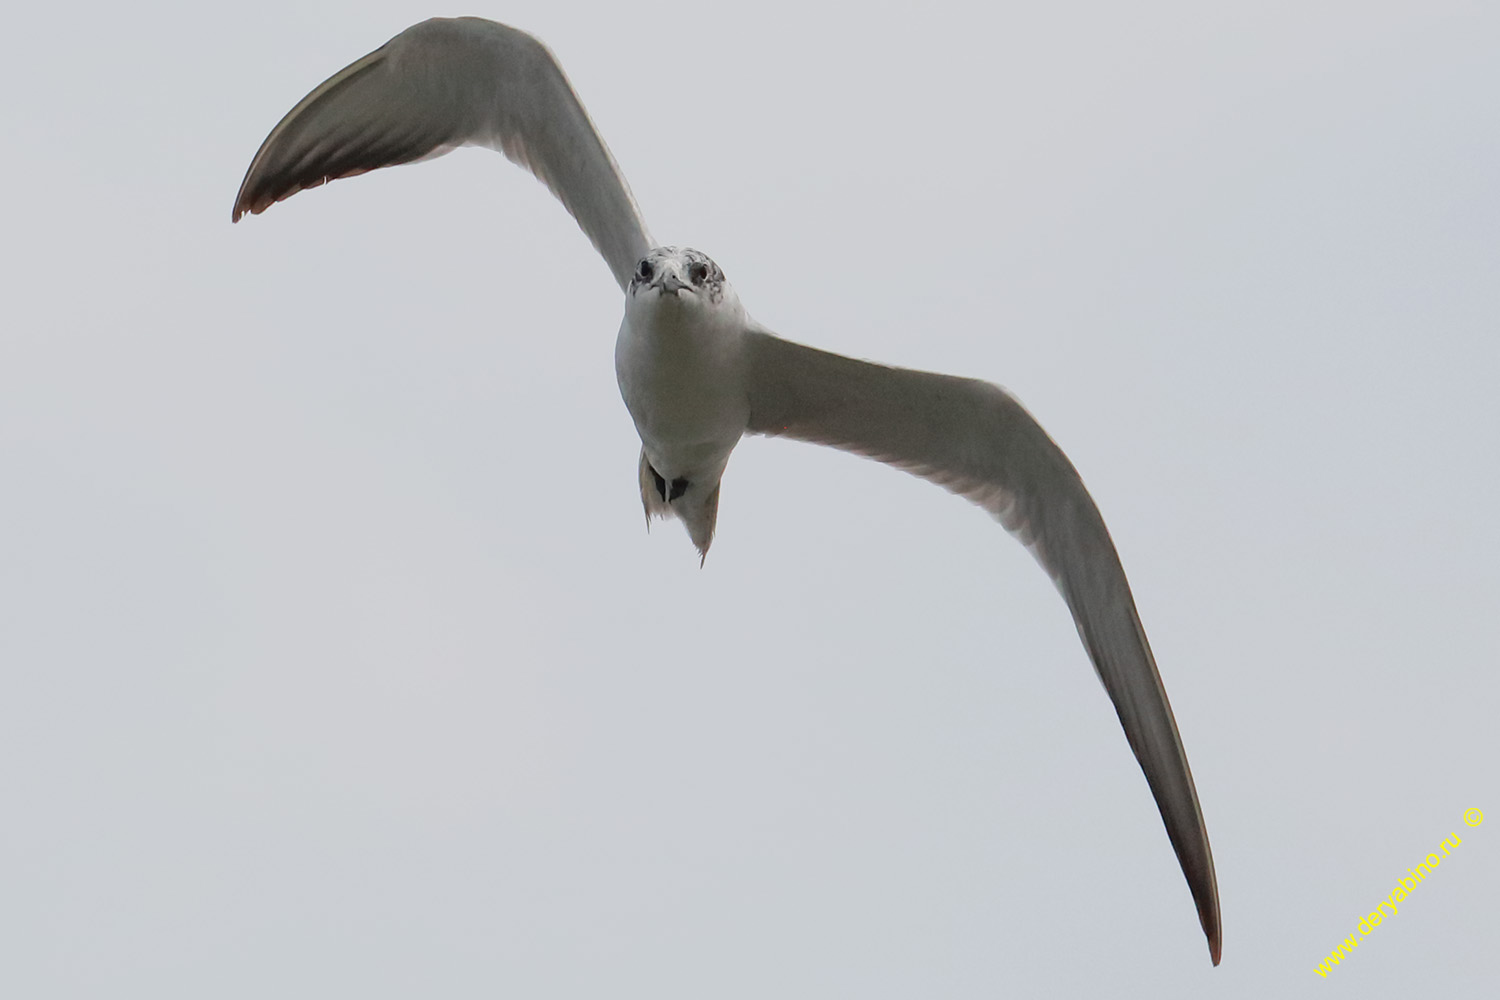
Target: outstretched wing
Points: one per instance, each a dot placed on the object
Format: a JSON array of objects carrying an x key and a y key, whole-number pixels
[
  {"x": 443, "y": 84},
  {"x": 974, "y": 439}
]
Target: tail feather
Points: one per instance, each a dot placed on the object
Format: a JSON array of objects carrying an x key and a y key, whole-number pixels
[
  {"x": 656, "y": 505},
  {"x": 700, "y": 515},
  {"x": 697, "y": 508}
]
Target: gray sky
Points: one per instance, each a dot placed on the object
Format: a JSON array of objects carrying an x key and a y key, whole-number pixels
[{"x": 335, "y": 659}]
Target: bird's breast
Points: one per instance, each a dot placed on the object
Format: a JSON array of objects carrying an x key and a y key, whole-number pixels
[{"x": 682, "y": 377}]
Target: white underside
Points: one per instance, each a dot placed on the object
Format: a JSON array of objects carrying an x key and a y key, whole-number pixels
[{"x": 680, "y": 367}]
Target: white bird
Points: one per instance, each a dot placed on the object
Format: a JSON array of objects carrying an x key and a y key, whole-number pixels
[{"x": 697, "y": 373}]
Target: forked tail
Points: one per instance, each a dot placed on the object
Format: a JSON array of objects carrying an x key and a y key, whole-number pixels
[{"x": 695, "y": 504}]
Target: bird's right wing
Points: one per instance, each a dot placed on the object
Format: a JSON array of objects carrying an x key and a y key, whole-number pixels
[
  {"x": 443, "y": 84},
  {"x": 972, "y": 438}
]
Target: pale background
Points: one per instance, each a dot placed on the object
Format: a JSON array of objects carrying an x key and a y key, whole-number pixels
[{"x": 335, "y": 660}]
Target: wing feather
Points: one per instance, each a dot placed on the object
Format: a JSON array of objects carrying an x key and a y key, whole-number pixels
[
  {"x": 974, "y": 439},
  {"x": 443, "y": 84}
]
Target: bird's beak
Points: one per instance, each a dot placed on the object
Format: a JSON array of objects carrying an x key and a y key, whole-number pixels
[{"x": 669, "y": 283}]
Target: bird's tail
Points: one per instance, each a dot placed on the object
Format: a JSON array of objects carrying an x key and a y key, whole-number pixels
[{"x": 696, "y": 505}]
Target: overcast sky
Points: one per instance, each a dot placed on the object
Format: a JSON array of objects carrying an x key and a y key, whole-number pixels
[{"x": 335, "y": 660}]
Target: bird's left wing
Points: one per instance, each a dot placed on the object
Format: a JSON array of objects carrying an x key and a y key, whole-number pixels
[
  {"x": 974, "y": 439},
  {"x": 443, "y": 84}
]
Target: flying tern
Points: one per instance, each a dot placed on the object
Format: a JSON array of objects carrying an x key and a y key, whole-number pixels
[{"x": 697, "y": 373}]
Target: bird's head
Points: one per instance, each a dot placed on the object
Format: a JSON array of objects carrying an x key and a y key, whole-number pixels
[{"x": 681, "y": 278}]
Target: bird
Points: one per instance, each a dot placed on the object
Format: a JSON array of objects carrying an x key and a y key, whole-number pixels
[{"x": 697, "y": 373}]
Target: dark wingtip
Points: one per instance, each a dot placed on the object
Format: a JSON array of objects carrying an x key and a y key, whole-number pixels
[
  {"x": 245, "y": 205},
  {"x": 243, "y": 202},
  {"x": 1214, "y": 934}
]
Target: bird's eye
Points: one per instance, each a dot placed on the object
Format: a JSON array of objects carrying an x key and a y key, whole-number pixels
[
  {"x": 698, "y": 273},
  {"x": 645, "y": 270}
]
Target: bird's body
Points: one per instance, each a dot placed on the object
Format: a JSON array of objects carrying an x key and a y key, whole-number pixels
[
  {"x": 680, "y": 362},
  {"x": 697, "y": 373}
]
